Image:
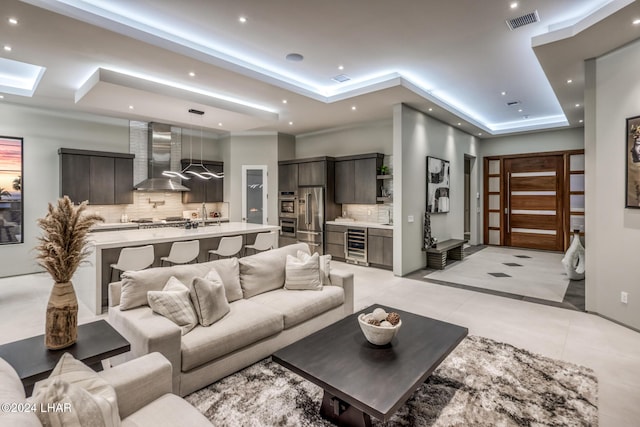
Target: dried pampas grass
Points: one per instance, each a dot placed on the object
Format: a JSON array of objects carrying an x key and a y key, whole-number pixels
[{"x": 64, "y": 235}]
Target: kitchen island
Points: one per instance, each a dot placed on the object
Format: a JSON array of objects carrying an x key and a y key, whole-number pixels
[{"x": 93, "y": 276}]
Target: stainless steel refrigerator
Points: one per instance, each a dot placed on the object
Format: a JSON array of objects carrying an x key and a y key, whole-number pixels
[{"x": 311, "y": 218}]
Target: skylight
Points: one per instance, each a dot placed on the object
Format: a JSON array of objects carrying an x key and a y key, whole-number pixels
[{"x": 19, "y": 78}]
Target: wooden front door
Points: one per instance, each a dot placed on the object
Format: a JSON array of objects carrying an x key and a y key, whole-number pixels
[{"x": 534, "y": 202}]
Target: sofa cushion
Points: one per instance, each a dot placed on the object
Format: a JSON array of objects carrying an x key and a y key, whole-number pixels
[
  {"x": 174, "y": 303},
  {"x": 92, "y": 401},
  {"x": 168, "y": 410},
  {"x": 246, "y": 323},
  {"x": 229, "y": 271},
  {"x": 303, "y": 272},
  {"x": 12, "y": 391},
  {"x": 264, "y": 271},
  {"x": 209, "y": 299},
  {"x": 136, "y": 284},
  {"x": 300, "y": 306}
]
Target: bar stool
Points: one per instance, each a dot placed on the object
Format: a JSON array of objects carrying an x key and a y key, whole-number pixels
[
  {"x": 182, "y": 253},
  {"x": 228, "y": 247},
  {"x": 264, "y": 242},
  {"x": 134, "y": 259}
]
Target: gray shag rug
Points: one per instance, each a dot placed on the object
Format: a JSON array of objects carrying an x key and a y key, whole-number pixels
[{"x": 481, "y": 383}]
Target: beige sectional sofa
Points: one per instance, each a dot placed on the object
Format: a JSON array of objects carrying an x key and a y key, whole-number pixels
[
  {"x": 264, "y": 316},
  {"x": 143, "y": 391}
]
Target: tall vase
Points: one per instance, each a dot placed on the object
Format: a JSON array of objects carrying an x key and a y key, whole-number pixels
[
  {"x": 573, "y": 261},
  {"x": 61, "y": 329}
]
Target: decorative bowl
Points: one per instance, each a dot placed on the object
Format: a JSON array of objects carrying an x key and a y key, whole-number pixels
[{"x": 378, "y": 335}]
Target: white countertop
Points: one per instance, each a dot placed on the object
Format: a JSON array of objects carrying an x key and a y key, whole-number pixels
[
  {"x": 121, "y": 238},
  {"x": 110, "y": 225},
  {"x": 361, "y": 224}
]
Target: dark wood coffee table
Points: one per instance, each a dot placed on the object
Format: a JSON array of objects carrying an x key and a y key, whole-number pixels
[
  {"x": 361, "y": 380},
  {"x": 34, "y": 362}
]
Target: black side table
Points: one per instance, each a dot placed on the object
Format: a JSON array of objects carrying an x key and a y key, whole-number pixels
[{"x": 34, "y": 362}]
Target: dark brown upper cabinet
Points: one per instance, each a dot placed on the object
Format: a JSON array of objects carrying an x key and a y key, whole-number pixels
[
  {"x": 356, "y": 179},
  {"x": 102, "y": 178},
  {"x": 288, "y": 177}
]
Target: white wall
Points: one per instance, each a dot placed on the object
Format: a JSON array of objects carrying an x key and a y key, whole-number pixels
[
  {"x": 553, "y": 140},
  {"x": 252, "y": 149},
  {"x": 416, "y": 136},
  {"x": 373, "y": 137},
  {"x": 44, "y": 132},
  {"x": 612, "y": 232}
]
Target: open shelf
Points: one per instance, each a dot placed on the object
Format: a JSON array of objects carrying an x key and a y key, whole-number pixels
[{"x": 384, "y": 176}]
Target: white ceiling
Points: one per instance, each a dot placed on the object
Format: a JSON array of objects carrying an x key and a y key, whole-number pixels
[{"x": 450, "y": 59}]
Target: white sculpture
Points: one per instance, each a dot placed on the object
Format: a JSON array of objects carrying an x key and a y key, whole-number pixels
[{"x": 573, "y": 261}]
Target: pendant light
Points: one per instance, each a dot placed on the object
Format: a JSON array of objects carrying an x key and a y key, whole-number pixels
[{"x": 198, "y": 170}]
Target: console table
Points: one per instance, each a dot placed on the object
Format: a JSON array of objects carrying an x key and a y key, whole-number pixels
[
  {"x": 452, "y": 248},
  {"x": 34, "y": 362}
]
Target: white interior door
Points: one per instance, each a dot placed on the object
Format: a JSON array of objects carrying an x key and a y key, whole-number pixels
[{"x": 254, "y": 194}]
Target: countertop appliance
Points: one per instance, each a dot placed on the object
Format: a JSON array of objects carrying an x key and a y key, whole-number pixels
[{"x": 311, "y": 218}]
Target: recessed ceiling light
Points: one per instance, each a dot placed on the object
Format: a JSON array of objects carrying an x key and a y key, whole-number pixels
[
  {"x": 294, "y": 57},
  {"x": 130, "y": 107},
  {"x": 577, "y": 105},
  {"x": 242, "y": 19},
  {"x": 519, "y": 110},
  {"x": 503, "y": 93},
  {"x": 192, "y": 74},
  {"x": 513, "y": 5},
  {"x": 13, "y": 21},
  {"x": 290, "y": 123},
  {"x": 569, "y": 81},
  {"x": 459, "y": 124},
  {"x": 479, "y": 133},
  {"x": 353, "y": 107},
  {"x": 220, "y": 124},
  {"x": 284, "y": 101},
  {"x": 581, "y": 121},
  {"x": 430, "y": 109},
  {"x": 636, "y": 21},
  {"x": 1, "y": 96},
  {"x": 340, "y": 67},
  {"x": 7, "y": 48}
]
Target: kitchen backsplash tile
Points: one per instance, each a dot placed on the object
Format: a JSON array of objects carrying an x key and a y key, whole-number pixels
[
  {"x": 369, "y": 213},
  {"x": 166, "y": 205}
]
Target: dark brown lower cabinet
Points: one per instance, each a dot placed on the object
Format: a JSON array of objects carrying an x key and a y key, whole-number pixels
[
  {"x": 380, "y": 247},
  {"x": 335, "y": 238}
]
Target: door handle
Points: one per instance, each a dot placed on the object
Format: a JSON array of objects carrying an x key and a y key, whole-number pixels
[
  {"x": 307, "y": 207},
  {"x": 345, "y": 244},
  {"x": 313, "y": 233}
]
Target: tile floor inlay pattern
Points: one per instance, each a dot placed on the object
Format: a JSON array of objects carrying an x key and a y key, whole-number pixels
[
  {"x": 499, "y": 275},
  {"x": 512, "y": 264},
  {"x": 540, "y": 275}
]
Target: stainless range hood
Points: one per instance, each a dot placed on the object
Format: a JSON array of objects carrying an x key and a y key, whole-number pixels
[{"x": 159, "y": 155}]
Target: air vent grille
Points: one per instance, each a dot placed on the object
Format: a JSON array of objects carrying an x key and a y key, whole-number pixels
[
  {"x": 513, "y": 103},
  {"x": 341, "y": 78},
  {"x": 523, "y": 20}
]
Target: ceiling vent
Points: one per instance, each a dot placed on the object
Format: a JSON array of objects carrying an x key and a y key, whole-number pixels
[
  {"x": 341, "y": 78},
  {"x": 521, "y": 21},
  {"x": 513, "y": 103}
]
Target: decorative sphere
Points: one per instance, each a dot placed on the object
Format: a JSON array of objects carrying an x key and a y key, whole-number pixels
[
  {"x": 386, "y": 324},
  {"x": 379, "y": 314}
]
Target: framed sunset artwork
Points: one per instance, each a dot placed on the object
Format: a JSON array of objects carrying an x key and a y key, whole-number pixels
[{"x": 11, "y": 206}]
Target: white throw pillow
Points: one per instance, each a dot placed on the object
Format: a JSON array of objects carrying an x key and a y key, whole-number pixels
[
  {"x": 324, "y": 262},
  {"x": 174, "y": 303},
  {"x": 209, "y": 299},
  {"x": 303, "y": 274},
  {"x": 75, "y": 395},
  {"x": 228, "y": 270}
]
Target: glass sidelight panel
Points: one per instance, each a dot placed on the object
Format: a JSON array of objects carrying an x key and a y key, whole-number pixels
[
  {"x": 11, "y": 207},
  {"x": 254, "y": 194}
]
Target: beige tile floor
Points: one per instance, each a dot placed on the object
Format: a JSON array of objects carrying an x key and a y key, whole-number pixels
[{"x": 612, "y": 351}]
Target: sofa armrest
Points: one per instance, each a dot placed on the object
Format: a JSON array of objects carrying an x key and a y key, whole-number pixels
[
  {"x": 344, "y": 279},
  {"x": 148, "y": 332},
  {"x": 115, "y": 289},
  {"x": 139, "y": 382}
]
